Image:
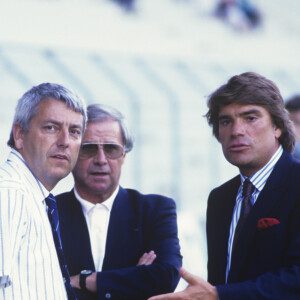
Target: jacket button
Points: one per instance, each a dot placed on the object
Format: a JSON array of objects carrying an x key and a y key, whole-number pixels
[{"x": 108, "y": 296}]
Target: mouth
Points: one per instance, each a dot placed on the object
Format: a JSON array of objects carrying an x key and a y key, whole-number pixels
[
  {"x": 60, "y": 157},
  {"x": 99, "y": 174},
  {"x": 238, "y": 147}
]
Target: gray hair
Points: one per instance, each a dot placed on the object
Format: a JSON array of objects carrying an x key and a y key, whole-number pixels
[
  {"x": 27, "y": 106},
  {"x": 98, "y": 113}
]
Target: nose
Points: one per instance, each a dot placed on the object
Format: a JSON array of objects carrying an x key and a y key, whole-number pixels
[
  {"x": 63, "y": 138},
  {"x": 100, "y": 157},
  {"x": 237, "y": 128}
]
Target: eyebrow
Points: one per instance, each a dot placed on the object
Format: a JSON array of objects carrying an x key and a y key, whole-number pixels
[
  {"x": 250, "y": 112},
  {"x": 245, "y": 113},
  {"x": 55, "y": 122}
]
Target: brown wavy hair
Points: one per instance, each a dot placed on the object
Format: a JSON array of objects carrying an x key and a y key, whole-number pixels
[{"x": 254, "y": 89}]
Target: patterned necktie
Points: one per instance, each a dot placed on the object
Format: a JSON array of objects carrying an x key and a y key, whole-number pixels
[
  {"x": 53, "y": 218},
  {"x": 248, "y": 189}
]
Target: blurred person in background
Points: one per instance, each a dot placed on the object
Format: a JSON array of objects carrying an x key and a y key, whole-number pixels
[
  {"x": 253, "y": 220},
  {"x": 293, "y": 106},
  {"x": 128, "y": 5},
  {"x": 241, "y": 14},
  {"x": 45, "y": 140},
  {"x": 119, "y": 243}
]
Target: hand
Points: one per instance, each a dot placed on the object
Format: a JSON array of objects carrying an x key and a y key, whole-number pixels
[
  {"x": 198, "y": 289},
  {"x": 75, "y": 281},
  {"x": 147, "y": 258},
  {"x": 90, "y": 283}
]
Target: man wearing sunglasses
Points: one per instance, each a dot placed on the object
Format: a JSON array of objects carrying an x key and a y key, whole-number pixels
[{"x": 118, "y": 243}]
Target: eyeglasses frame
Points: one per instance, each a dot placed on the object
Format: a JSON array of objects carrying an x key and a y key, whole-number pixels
[{"x": 101, "y": 146}]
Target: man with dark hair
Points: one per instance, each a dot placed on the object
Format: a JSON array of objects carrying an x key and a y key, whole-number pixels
[
  {"x": 45, "y": 139},
  {"x": 293, "y": 107},
  {"x": 123, "y": 243},
  {"x": 253, "y": 220}
]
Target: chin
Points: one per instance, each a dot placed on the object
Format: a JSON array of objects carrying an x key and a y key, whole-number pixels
[
  {"x": 238, "y": 159},
  {"x": 61, "y": 174},
  {"x": 98, "y": 189}
]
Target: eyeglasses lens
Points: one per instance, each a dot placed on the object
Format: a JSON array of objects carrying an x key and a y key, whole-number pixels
[
  {"x": 112, "y": 151},
  {"x": 88, "y": 150}
]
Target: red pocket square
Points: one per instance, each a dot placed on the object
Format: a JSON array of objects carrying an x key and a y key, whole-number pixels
[{"x": 266, "y": 222}]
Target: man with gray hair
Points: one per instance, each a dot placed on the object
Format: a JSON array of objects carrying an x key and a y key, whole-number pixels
[
  {"x": 124, "y": 244},
  {"x": 45, "y": 139}
]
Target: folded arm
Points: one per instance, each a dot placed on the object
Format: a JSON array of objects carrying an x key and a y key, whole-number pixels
[
  {"x": 158, "y": 232},
  {"x": 91, "y": 280}
]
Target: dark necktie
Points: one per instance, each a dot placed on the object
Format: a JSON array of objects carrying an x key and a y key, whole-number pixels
[
  {"x": 248, "y": 189},
  {"x": 54, "y": 221}
]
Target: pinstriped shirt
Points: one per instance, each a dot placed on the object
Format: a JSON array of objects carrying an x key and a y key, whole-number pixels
[
  {"x": 259, "y": 180},
  {"x": 29, "y": 267}
]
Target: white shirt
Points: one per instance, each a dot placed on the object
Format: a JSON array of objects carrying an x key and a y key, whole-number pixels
[
  {"x": 97, "y": 219},
  {"x": 259, "y": 180},
  {"x": 29, "y": 267}
]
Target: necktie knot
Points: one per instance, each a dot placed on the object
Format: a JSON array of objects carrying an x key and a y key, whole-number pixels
[
  {"x": 51, "y": 202},
  {"x": 248, "y": 188}
]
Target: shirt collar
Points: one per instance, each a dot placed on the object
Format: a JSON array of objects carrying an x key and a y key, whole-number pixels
[
  {"x": 87, "y": 206},
  {"x": 260, "y": 178},
  {"x": 17, "y": 158}
]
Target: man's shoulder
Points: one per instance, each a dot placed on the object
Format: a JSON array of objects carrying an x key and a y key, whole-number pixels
[
  {"x": 11, "y": 178},
  {"x": 291, "y": 177},
  {"x": 231, "y": 184},
  {"x": 295, "y": 170},
  {"x": 15, "y": 175},
  {"x": 64, "y": 199},
  {"x": 11, "y": 182},
  {"x": 65, "y": 195},
  {"x": 286, "y": 172},
  {"x": 145, "y": 199},
  {"x": 147, "y": 207},
  {"x": 10, "y": 172}
]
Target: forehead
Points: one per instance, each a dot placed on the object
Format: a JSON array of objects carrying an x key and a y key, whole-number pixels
[
  {"x": 57, "y": 110},
  {"x": 103, "y": 131},
  {"x": 236, "y": 109}
]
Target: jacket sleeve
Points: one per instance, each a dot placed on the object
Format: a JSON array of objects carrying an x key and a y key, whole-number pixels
[
  {"x": 159, "y": 233},
  {"x": 13, "y": 228}
]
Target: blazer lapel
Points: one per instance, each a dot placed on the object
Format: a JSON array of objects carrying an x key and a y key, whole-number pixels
[
  {"x": 76, "y": 231},
  {"x": 271, "y": 193},
  {"x": 225, "y": 207},
  {"x": 122, "y": 242}
]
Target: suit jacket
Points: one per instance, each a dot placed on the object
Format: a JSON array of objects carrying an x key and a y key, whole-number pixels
[
  {"x": 138, "y": 223},
  {"x": 265, "y": 263}
]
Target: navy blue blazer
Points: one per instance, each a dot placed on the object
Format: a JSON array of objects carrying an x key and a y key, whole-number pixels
[
  {"x": 265, "y": 262},
  {"x": 138, "y": 223}
]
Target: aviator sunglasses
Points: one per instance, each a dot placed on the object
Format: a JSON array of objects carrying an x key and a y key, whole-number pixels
[{"x": 111, "y": 150}]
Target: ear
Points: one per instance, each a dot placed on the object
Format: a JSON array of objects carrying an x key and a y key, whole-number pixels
[
  {"x": 278, "y": 132},
  {"x": 18, "y": 134}
]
